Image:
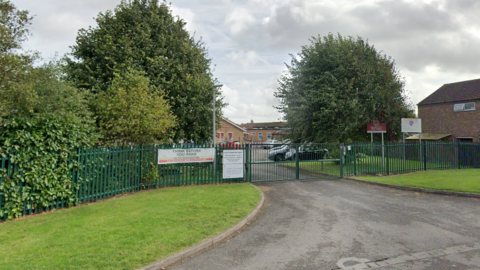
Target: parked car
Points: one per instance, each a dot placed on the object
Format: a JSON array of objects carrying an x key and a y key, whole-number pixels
[
  {"x": 278, "y": 153},
  {"x": 281, "y": 145},
  {"x": 307, "y": 152},
  {"x": 229, "y": 145},
  {"x": 270, "y": 143}
]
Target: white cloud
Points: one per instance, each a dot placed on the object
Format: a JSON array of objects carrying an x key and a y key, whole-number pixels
[
  {"x": 245, "y": 59},
  {"x": 432, "y": 41},
  {"x": 421, "y": 85},
  {"x": 188, "y": 16},
  {"x": 240, "y": 19}
]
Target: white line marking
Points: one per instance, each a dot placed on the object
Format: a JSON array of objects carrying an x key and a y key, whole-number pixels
[{"x": 362, "y": 263}]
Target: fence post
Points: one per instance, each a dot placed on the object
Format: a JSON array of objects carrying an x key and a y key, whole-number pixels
[
  {"x": 355, "y": 158},
  {"x": 342, "y": 160},
  {"x": 297, "y": 169},
  {"x": 458, "y": 155},
  {"x": 386, "y": 158},
  {"x": 425, "y": 155},
  {"x": 247, "y": 163},
  {"x": 76, "y": 170}
]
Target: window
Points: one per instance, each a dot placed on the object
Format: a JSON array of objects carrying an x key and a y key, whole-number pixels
[
  {"x": 462, "y": 107},
  {"x": 469, "y": 106},
  {"x": 230, "y": 136},
  {"x": 260, "y": 135},
  {"x": 458, "y": 107},
  {"x": 245, "y": 136},
  {"x": 269, "y": 135},
  {"x": 253, "y": 133},
  {"x": 460, "y": 139},
  {"x": 220, "y": 136}
]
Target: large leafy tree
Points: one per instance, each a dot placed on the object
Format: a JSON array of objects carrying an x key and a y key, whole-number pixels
[
  {"x": 43, "y": 119},
  {"x": 32, "y": 91},
  {"x": 143, "y": 35},
  {"x": 15, "y": 66},
  {"x": 335, "y": 86},
  {"x": 131, "y": 110}
]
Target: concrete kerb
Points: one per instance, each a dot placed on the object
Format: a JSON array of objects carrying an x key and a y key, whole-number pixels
[
  {"x": 182, "y": 255},
  {"x": 423, "y": 190}
]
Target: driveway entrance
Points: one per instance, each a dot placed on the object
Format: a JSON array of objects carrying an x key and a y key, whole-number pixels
[
  {"x": 294, "y": 162},
  {"x": 338, "y": 224}
]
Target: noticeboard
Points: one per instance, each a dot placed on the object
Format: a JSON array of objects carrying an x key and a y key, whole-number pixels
[
  {"x": 376, "y": 127},
  {"x": 412, "y": 125},
  {"x": 232, "y": 164}
]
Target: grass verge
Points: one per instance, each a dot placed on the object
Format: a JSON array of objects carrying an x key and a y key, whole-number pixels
[
  {"x": 369, "y": 165},
  {"x": 127, "y": 232},
  {"x": 465, "y": 180}
]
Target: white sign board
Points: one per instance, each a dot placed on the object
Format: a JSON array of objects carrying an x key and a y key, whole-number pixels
[
  {"x": 185, "y": 155},
  {"x": 412, "y": 125},
  {"x": 232, "y": 171},
  {"x": 232, "y": 164}
]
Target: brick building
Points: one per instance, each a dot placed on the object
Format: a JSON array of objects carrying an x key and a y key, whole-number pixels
[
  {"x": 261, "y": 132},
  {"x": 451, "y": 112},
  {"x": 229, "y": 131}
]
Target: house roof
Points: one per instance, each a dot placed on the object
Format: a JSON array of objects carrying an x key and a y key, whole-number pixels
[
  {"x": 233, "y": 124},
  {"x": 264, "y": 125},
  {"x": 452, "y": 92}
]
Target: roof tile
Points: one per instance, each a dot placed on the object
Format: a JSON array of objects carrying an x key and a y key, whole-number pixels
[{"x": 451, "y": 92}]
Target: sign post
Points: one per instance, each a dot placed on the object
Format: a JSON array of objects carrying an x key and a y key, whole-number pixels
[
  {"x": 412, "y": 125},
  {"x": 377, "y": 127}
]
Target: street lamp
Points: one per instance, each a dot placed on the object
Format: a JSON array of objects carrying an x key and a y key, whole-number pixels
[{"x": 214, "y": 127}]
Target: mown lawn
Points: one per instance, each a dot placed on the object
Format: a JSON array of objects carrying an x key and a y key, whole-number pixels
[
  {"x": 126, "y": 232},
  {"x": 367, "y": 165},
  {"x": 374, "y": 165},
  {"x": 465, "y": 180}
]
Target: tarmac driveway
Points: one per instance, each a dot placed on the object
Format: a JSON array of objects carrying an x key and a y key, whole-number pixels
[{"x": 338, "y": 224}]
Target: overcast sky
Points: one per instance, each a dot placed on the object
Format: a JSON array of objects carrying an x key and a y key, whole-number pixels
[{"x": 433, "y": 42}]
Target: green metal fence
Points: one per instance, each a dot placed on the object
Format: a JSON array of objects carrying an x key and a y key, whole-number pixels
[
  {"x": 281, "y": 162},
  {"x": 395, "y": 158},
  {"x": 106, "y": 172}
]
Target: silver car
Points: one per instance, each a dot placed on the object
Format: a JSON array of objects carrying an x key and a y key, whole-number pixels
[
  {"x": 278, "y": 153},
  {"x": 270, "y": 143}
]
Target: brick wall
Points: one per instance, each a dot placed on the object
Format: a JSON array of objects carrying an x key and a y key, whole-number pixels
[
  {"x": 441, "y": 119},
  {"x": 226, "y": 128},
  {"x": 255, "y": 138}
]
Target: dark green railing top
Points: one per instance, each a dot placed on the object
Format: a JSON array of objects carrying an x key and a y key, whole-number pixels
[{"x": 395, "y": 158}]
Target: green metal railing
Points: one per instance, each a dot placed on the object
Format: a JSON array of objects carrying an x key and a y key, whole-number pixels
[
  {"x": 280, "y": 162},
  {"x": 395, "y": 158},
  {"x": 108, "y": 172},
  {"x": 105, "y": 172}
]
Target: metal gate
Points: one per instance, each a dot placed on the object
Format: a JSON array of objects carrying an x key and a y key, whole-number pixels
[{"x": 294, "y": 161}]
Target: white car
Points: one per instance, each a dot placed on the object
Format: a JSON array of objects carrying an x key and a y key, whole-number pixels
[{"x": 270, "y": 143}]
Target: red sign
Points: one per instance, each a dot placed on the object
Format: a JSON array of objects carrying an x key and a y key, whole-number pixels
[{"x": 376, "y": 127}]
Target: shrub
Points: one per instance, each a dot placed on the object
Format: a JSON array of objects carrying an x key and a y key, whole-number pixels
[{"x": 43, "y": 151}]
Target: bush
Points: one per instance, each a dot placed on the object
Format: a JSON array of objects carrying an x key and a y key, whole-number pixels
[{"x": 43, "y": 149}]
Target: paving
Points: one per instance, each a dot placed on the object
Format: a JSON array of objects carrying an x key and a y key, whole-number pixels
[{"x": 339, "y": 224}]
